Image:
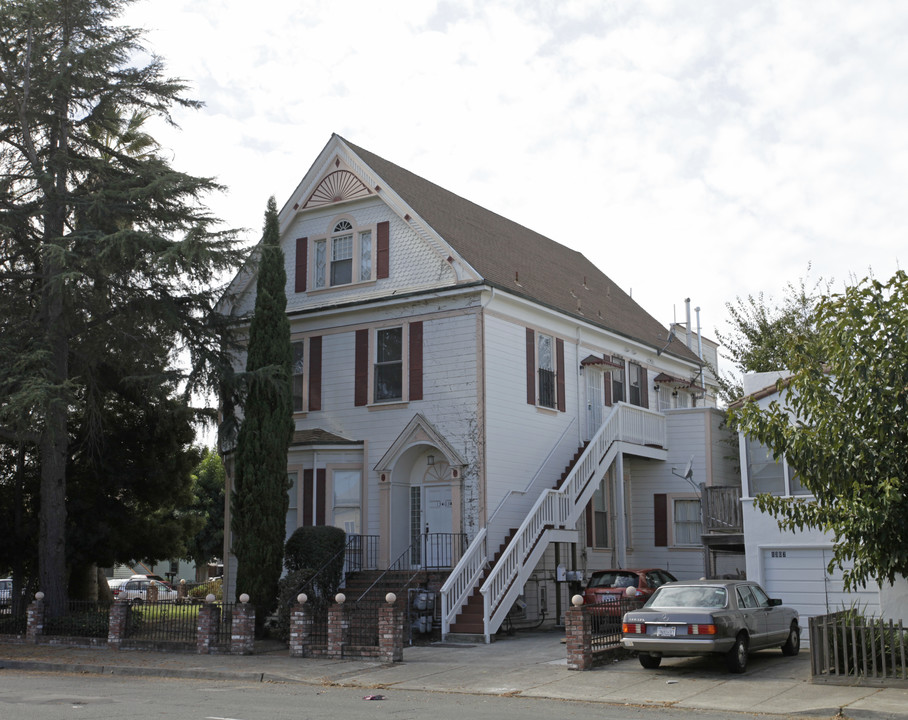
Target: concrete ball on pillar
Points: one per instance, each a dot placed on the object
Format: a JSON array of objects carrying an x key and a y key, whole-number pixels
[
  {"x": 390, "y": 598},
  {"x": 340, "y": 598},
  {"x": 577, "y": 600},
  {"x": 210, "y": 598},
  {"x": 302, "y": 598},
  {"x": 244, "y": 598},
  {"x": 39, "y": 596}
]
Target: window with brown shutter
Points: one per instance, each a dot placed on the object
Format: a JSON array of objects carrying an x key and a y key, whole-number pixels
[
  {"x": 559, "y": 371},
  {"x": 314, "y": 497},
  {"x": 531, "y": 367},
  {"x": 660, "y": 520},
  {"x": 361, "y": 369},
  {"x": 383, "y": 250},
  {"x": 415, "y": 361},
  {"x": 302, "y": 264},
  {"x": 315, "y": 373}
]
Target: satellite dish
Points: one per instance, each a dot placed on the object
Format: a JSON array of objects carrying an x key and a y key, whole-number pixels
[{"x": 688, "y": 470}]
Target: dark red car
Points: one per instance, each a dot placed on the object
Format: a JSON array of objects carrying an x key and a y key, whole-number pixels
[{"x": 607, "y": 587}]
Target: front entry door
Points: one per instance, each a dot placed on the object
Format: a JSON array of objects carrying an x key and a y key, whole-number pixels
[
  {"x": 594, "y": 401},
  {"x": 433, "y": 526}
]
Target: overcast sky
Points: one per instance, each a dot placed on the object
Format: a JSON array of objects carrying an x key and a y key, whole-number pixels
[{"x": 690, "y": 149}]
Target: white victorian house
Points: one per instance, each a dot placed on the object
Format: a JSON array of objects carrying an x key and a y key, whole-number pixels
[{"x": 475, "y": 399}]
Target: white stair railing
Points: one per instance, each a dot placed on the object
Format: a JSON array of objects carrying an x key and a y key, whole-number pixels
[
  {"x": 462, "y": 580},
  {"x": 560, "y": 509}
]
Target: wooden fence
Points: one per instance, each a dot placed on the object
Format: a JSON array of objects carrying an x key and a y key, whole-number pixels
[{"x": 849, "y": 649}]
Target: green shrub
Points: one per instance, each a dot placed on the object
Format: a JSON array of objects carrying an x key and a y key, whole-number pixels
[
  {"x": 314, "y": 545},
  {"x": 82, "y": 624},
  {"x": 214, "y": 587}
]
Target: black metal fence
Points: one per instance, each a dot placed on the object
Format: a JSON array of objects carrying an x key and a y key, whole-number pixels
[
  {"x": 162, "y": 622},
  {"x": 361, "y": 553},
  {"x": 13, "y": 621},
  {"x": 82, "y": 619},
  {"x": 605, "y": 621}
]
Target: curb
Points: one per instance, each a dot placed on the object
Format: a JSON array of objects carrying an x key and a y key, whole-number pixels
[{"x": 81, "y": 668}]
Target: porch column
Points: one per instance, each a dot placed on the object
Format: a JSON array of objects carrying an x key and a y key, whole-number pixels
[{"x": 620, "y": 517}]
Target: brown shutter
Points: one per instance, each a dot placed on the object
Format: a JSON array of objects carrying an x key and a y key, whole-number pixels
[
  {"x": 302, "y": 264},
  {"x": 660, "y": 520},
  {"x": 361, "y": 369},
  {"x": 320, "y": 499},
  {"x": 315, "y": 373},
  {"x": 307, "y": 497},
  {"x": 607, "y": 385},
  {"x": 644, "y": 388},
  {"x": 383, "y": 250},
  {"x": 531, "y": 367},
  {"x": 559, "y": 370},
  {"x": 416, "y": 361}
]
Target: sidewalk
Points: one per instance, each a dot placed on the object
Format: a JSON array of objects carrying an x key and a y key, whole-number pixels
[{"x": 526, "y": 665}]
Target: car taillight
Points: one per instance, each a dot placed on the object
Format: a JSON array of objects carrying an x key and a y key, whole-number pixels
[
  {"x": 701, "y": 629},
  {"x": 633, "y": 628}
]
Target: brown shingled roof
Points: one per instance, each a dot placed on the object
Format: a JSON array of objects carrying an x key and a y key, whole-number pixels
[
  {"x": 317, "y": 436},
  {"x": 523, "y": 262}
]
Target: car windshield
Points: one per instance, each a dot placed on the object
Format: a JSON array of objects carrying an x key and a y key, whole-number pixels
[
  {"x": 613, "y": 579},
  {"x": 688, "y": 596}
]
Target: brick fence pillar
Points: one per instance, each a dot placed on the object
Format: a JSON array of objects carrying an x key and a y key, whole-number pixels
[
  {"x": 35, "y": 619},
  {"x": 116, "y": 632},
  {"x": 151, "y": 593},
  {"x": 207, "y": 626},
  {"x": 338, "y": 626},
  {"x": 391, "y": 630},
  {"x": 300, "y": 628},
  {"x": 242, "y": 632},
  {"x": 578, "y": 632}
]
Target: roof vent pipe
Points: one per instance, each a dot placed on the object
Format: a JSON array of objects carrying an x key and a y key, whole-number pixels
[
  {"x": 687, "y": 311},
  {"x": 699, "y": 334}
]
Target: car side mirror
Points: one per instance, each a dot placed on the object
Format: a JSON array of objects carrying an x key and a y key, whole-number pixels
[{"x": 774, "y": 601}]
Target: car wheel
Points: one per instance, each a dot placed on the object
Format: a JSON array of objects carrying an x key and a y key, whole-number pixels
[
  {"x": 137, "y": 601},
  {"x": 650, "y": 662},
  {"x": 793, "y": 643},
  {"x": 736, "y": 658}
]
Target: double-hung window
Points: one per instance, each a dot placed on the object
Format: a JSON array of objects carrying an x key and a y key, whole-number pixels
[
  {"x": 546, "y": 369},
  {"x": 344, "y": 257},
  {"x": 687, "y": 525},
  {"x": 389, "y": 364}
]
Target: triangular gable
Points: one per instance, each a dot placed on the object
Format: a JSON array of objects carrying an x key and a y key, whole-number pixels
[
  {"x": 419, "y": 431},
  {"x": 340, "y": 175}
]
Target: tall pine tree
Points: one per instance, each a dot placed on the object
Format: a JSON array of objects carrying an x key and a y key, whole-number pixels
[
  {"x": 107, "y": 253},
  {"x": 260, "y": 501}
]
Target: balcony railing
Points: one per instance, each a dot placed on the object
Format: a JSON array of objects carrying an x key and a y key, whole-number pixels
[{"x": 722, "y": 509}]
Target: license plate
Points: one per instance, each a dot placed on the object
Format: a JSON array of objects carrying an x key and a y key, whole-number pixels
[{"x": 663, "y": 631}]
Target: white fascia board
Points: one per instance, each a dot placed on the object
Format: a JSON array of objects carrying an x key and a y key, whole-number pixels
[
  {"x": 583, "y": 327},
  {"x": 383, "y": 190}
]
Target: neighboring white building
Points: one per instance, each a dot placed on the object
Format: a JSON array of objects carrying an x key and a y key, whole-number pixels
[
  {"x": 793, "y": 565},
  {"x": 449, "y": 364}
]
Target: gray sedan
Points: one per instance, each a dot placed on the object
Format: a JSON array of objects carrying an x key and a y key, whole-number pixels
[{"x": 705, "y": 617}]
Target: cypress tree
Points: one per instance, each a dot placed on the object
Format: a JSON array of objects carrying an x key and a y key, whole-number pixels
[{"x": 259, "y": 500}]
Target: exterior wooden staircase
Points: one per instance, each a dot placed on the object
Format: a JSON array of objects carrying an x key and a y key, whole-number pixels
[
  {"x": 493, "y": 582},
  {"x": 470, "y": 620}
]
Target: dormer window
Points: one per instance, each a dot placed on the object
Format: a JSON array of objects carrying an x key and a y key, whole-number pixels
[
  {"x": 344, "y": 257},
  {"x": 349, "y": 254}
]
